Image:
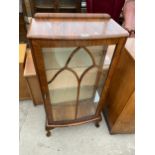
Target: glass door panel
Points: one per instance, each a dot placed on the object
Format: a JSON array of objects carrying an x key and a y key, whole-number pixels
[
  {"x": 86, "y": 106},
  {"x": 55, "y": 58},
  {"x": 63, "y": 94},
  {"x": 75, "y": 79}
]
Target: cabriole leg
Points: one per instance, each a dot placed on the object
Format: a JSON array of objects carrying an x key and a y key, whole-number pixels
[
  {"x": 48, "y": 134},
  {"x": 97, "y": 124}
]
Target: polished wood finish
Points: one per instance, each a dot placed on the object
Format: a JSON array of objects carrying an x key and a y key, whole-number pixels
[
  {"x": 32, "y": 80},
  {"x": 79, "y": 16},
  {"x": 120, "y": 110},
  {"x": 23, "y": 89},
  {"x": 85, "y": 24},
  {"x": 68, "y": 30}
]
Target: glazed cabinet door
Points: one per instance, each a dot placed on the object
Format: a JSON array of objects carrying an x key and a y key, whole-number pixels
[{"x": 75, "y": 77}]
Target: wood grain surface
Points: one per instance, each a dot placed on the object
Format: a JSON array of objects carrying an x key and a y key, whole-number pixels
[
  {"x": 74, "y": 30},
  {"x": 120, "y": 100},
  {"x": 78, "y": 26},
  {"x": 32, "y": 80},
  {"x": 23, "y": 89}
]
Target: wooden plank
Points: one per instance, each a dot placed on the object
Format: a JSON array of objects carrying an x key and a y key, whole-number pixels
[
  {"x": 23, "y": 89},
  {"x": 29, "y": 65},
  {"x": 35, "y": 90},
  {"x": 22, "y": 52},
  {"x": 32, "y": 81}
]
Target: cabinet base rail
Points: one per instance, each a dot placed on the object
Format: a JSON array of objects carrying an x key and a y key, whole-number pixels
[{"x": 49, "y": 127}]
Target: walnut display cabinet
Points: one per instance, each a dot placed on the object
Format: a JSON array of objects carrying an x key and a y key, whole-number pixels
[{"x": 68, "y": 52}]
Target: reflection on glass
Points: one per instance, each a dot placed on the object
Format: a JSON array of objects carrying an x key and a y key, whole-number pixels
[
  {"x": 55, "y": 58},
  {"x": 63, "y": 94},
  {"x": 86, "y": 104},
  {"x": 106, "y": 65},
  {"x": 80, "y": 59}
]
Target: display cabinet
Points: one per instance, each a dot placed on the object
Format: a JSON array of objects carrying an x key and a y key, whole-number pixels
[
  {"x": 68, "y": 52},
  {"x": 55, "y": 6}
]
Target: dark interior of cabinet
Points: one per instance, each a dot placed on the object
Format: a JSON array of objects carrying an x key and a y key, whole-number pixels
[
  {"x": 56, "y": 5},
  {"x": 22, "y": 29}
]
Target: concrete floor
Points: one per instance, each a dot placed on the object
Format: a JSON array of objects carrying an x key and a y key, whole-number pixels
[{"x": 77, "y": 140}]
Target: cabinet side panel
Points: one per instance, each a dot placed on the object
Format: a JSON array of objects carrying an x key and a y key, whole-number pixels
[
  {"x": 121, "y": 87},
  {"x": 23, "y": 89},
  {"x": 35, "y": 90},
  {"x": 126, "y": 120}
]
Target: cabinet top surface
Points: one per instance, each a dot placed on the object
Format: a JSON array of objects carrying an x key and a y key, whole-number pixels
[{"x": 74, "y": 26}]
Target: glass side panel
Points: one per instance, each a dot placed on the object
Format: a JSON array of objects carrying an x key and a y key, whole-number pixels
[
  {"x": 105, "y": 67},
  {"x": 76, "y": 78},
  {"x": 28, "y": 8}
]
